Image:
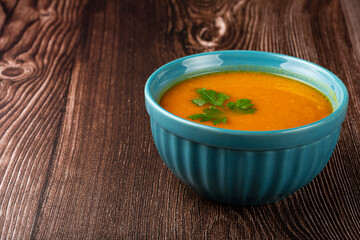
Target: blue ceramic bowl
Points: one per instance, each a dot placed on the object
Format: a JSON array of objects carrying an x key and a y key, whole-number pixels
[{"x": 244, "y": 167}]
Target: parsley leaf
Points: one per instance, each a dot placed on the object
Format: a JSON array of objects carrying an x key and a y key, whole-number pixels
[
  {"x": 199, "y": 102},
  {"x": 243, "y": 106},
  {"x": 210, "y": 96},
  {"x": 211, "y": 113},
  {"x": 217, "y": 99}
]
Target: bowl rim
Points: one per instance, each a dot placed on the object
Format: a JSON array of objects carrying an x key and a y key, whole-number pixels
[{"x": 341, "y": 110}]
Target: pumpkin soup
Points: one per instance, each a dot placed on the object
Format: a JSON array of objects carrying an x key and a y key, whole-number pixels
[{"x": 249, "y": 101}]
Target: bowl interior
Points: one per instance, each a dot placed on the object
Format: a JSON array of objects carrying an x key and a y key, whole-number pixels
[{"x": 295, "y": 68}]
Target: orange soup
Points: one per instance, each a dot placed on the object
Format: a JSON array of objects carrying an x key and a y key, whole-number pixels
[{"x": 278, "y": 102}]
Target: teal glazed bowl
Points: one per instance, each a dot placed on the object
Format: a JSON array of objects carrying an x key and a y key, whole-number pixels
[{"x": 244, "y": 167}]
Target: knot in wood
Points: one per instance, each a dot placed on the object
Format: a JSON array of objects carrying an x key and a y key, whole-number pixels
[
  {"x": 17, "y": 69},
  {"x": 12, "y": 71},
  {"x": 209, "y": 35}
]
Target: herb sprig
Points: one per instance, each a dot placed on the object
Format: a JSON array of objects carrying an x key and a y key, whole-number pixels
[
  {"x": 217, "y": 99},
  {"x": 210, "y": 96},
  {"x": 243, "y": 106},
  {"x": 211, "y": 113}
]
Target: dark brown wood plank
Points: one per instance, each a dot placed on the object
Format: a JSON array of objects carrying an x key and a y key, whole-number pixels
[
  {"x": 37, "y": 39},
  {"x": 352, "y": 17},
  {"x": 77, "y": 160},
  {"x": 93, "y": 168}
]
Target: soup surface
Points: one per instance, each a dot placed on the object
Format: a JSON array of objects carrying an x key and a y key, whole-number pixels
[{"x": 280, "y": 102}]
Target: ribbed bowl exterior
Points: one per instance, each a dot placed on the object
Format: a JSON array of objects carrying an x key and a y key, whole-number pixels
[{"x": 243, "y": 177}]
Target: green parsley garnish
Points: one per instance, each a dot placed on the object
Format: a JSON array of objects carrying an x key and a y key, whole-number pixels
[
  {"x": 210, "y": 96},
  {"x": 242, "y": 106},
  {"x": 211, "y": 113}
]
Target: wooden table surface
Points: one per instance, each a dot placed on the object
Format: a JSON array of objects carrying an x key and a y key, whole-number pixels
[{"x": 77, "y": 160}]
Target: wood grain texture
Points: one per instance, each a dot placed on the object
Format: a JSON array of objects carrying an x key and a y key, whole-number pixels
[
  {"x": 37, "y": 39},
  {"x": 77, "y": 160}
]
